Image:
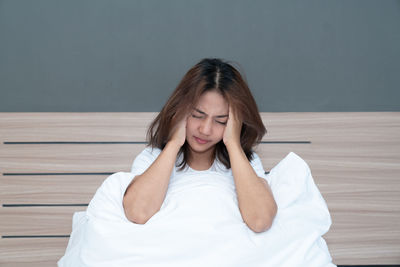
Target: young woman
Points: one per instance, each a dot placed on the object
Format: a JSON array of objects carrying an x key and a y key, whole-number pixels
[
  {"x": 210, "y": 122},
  {"x": 198, "y": 195}
]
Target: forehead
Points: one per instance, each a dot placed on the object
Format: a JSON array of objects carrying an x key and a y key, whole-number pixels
[{"x": 213, "y": 102}]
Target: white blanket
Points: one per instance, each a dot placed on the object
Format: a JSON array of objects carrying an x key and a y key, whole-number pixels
[{"x": 199, "y": 224}]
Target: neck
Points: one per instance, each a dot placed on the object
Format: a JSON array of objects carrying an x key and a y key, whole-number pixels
[{"x": 201, "y": 160}]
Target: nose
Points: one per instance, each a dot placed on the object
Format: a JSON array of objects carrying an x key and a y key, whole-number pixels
[{"x": 206, "y": 127}]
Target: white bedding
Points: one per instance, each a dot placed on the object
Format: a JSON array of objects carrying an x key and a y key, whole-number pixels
[{"x": 199, "y": 224}]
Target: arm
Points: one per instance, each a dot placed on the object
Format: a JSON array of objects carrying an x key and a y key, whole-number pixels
[
  {"x": 146, "y": 193},
  {"x": 256, "y": 202}
]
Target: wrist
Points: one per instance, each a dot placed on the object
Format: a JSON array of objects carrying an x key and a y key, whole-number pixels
[
  {"x": 174, "y": 145},
  {"x": 233, "y": 145}
]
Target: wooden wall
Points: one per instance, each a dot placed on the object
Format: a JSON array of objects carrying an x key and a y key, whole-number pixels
[{"x": 52, "y": 163}]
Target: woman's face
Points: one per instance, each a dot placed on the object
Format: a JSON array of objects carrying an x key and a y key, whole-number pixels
[{"x": 206, "y": 124}]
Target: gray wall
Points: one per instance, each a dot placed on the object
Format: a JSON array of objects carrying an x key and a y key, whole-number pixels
[{"x": 129, "y": 55}]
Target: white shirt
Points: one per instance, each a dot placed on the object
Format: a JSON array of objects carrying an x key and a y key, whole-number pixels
[{"x": 148, "y": 155}]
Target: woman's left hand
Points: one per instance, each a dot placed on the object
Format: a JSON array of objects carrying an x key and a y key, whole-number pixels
[{"x": 232, "y": 130}]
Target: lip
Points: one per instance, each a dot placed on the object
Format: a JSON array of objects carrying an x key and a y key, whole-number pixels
[{"x": 200, "y": 141}]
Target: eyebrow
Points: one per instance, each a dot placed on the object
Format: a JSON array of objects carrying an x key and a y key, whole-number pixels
[{"x": 219, "y": 116}]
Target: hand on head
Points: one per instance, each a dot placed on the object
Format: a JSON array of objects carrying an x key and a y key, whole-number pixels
[
  {"x": 179, "y": 132},
  {"x": 232, "y": 129}
]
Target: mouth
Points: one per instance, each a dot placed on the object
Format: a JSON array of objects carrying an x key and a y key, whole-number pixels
[{"x": 200, "y": 141}]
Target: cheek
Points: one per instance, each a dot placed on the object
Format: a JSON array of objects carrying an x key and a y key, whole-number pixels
[
  {"x": 189, "y": 126},
  {"x": 221, "y": 131}
]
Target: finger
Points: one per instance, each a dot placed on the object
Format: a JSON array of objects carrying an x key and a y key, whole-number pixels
[{"x": 231, "y": 114}]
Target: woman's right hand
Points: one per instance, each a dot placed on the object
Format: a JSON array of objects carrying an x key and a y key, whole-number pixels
[{"x": 179, "y": 132}]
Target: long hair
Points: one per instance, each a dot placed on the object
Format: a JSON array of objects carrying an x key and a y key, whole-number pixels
[{"x": 209, "y": 75}]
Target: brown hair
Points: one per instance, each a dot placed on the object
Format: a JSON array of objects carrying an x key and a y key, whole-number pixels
[{"x": 217, "y": 75}]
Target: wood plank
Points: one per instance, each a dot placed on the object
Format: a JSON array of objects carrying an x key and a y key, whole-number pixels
[
  {"x": 132, "y": 126},
  {"x": 119, "y": 157},
  {"x": 49, "y": 189},
  {"x": 326, "y": 126},
  {"x": 37, "y": 220},
  {"x": 81, "y": 188},
  {"x": 80, "y": 157},
  {"x": 74, "y": 126},
  {"x": 363, "y": 236},
  {"x": 27, "y": 252},
  {"x": 359, "y": 156},
  {"x": 68, "y": 158},
  {"x": 373, "y": 252}
]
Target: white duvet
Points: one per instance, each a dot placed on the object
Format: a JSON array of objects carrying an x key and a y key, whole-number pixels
[{"x": 199, "y": 224}]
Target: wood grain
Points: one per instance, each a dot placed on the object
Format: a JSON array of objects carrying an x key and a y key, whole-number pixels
[
  {"x": 43, "y": 252},
  {"x": 354, "y": 158}
]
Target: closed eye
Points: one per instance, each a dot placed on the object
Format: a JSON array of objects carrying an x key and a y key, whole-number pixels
[{"x": 198, "y": 117}]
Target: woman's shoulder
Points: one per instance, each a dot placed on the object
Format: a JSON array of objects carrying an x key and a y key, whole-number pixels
[
  {"x": 145, "y": 158},
  {"x": 149, "y": 153}
]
